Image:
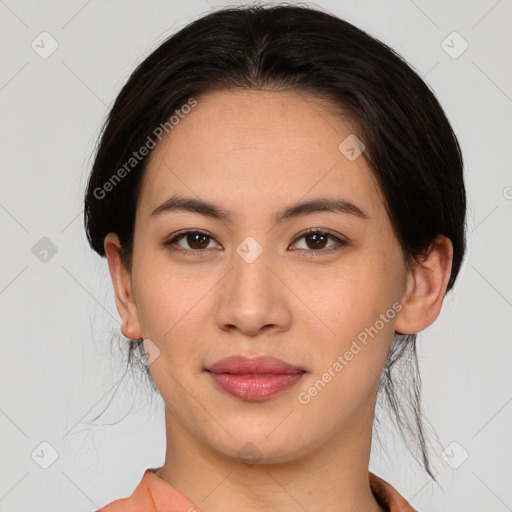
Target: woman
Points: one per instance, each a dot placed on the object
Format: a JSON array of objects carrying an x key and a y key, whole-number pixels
[{"x": 281, "y": 201}]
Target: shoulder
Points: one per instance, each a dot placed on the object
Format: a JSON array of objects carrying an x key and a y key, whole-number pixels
[
  {"x": 140, "y": 499},
  {"x": 152, "y": 495},
  {"x": 388, "y": 496}
]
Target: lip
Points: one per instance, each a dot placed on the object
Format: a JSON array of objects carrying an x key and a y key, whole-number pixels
[
  {"x": 254, "y": 379},
  {"x": 243, "y": 365}
]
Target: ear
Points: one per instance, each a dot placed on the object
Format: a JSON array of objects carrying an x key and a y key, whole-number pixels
[
  {"x": 425, "y": 288},
  {"x": 121, "y": 280}
]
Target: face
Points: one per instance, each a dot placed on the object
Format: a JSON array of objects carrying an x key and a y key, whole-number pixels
[{"x": 242, "y": 278}]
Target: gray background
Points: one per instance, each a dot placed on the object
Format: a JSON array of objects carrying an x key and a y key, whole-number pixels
[{"x": 59, "y": 366}]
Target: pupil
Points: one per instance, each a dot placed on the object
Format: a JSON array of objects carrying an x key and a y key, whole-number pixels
[
  {"x": 319, "y": 239},
  {"x": 192, "y": 240}
]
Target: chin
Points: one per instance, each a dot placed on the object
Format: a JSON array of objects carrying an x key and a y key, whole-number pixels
[{"x": 258, "y": 447}]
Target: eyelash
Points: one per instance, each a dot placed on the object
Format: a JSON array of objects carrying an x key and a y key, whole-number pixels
[{"x": 314, "y": 231}]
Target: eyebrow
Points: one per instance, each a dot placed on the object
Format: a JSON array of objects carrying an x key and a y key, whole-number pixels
[{"x": 190, "y": 204}]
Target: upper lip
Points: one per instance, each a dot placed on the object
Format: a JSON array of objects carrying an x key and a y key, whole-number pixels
[{"x": 242, "y": 365}]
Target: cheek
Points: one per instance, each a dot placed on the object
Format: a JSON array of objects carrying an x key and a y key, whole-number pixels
[
  {"x": 348, "y": 363},
  {"x": 169, "y": 303},
  {"x": 360, "y": 306},
  {"x": 170, "y": 313},
  {"x": 357, "y": 294}
]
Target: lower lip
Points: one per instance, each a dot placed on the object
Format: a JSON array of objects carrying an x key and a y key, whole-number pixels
[{"x": 255, "y": 388}]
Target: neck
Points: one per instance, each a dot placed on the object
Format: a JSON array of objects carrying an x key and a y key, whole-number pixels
[{"x": 332, "y": 478}]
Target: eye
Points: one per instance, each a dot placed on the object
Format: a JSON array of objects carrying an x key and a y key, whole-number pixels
[
  {"x": 317, "y": 239},
  {"x": 198, "y": 241}
]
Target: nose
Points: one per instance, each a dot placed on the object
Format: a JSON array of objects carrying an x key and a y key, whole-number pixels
[{"x": 254, "y": 298}]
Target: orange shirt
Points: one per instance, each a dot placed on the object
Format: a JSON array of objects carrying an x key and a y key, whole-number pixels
[{"x": 155, "y": 495}]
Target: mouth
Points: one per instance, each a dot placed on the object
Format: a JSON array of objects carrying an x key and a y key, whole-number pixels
[{"x": 254, "y": 379}]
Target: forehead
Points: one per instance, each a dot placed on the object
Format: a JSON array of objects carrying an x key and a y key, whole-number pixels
[{"x": 259, "y": 148}]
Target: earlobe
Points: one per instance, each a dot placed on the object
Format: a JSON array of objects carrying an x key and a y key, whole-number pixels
[
  {"x": 425, "y": 288},
  {"x": 121, "y": 281}
]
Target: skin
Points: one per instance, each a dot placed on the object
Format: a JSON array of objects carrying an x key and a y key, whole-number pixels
[{"x": 254, "y": 153}]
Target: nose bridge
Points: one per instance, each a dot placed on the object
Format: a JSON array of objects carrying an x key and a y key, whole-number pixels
[
  {"x": 252, "y": 297},
  {"x": 251, "y": 274}
]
